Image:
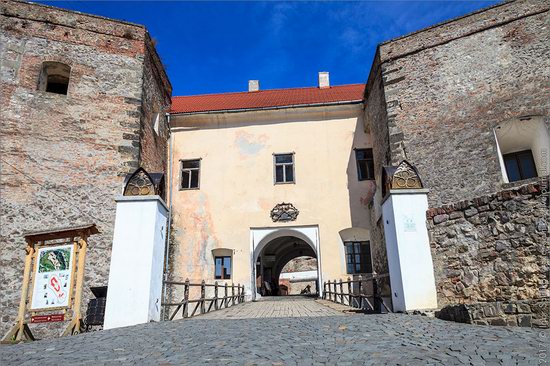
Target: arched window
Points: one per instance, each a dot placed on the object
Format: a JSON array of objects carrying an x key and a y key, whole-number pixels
[{"x": 54, "y": 77}]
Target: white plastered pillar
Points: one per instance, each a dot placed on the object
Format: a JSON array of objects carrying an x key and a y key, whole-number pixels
[
  {"x": 135, "y": 276},
  {"x": 408, "y": 249}
]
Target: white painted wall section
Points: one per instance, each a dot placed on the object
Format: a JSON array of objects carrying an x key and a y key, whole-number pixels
[
  {"x": 135, "y": 277},
  {"x": 408, "y": 248},
  {"x": 299, "y": 276}
]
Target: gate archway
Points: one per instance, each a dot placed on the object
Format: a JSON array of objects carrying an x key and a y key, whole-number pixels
[{"x": 272, "y": 248}]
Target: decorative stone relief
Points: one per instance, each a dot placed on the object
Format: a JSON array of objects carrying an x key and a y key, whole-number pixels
[
  {"x": 139, "y": 184},
  {"x": 284, "y": 212},
  {"x": 403, "y": 176}
]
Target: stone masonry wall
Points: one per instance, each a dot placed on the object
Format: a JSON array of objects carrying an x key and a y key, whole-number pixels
[
  {"x": 493, "y": 248},
  {"x": 64, "y": 157},
  {"x": 451, "y": 84},
  {"x": 522, "y": 313},
  {"x": 376, "y": 122},
  {"x": 156, "y": 99}
]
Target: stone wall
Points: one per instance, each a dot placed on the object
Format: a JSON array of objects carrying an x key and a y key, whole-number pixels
[
  {"x": 493, "y": 248},
  {"x": 434, "y": 96},
  {"x": 523, "y": 313},
  {"x": 446, "y": 87},
  {"x": 377, "y": 123},
  {"x": 64, "y": 157},
  {"x": 156, "y": 99}
]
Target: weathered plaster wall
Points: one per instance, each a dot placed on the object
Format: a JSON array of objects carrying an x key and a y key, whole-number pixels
[
  {"x": 492, "y": 248},
  {"x": 64, "y": 157},
  {"x": 237, "y": 191}
]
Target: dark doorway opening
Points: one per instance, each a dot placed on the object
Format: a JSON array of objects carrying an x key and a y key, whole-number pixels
[{"x": 287, "y": 266}]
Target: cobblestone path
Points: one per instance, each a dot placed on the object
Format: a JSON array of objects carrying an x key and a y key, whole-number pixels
[{"x": 358, "y": 339}]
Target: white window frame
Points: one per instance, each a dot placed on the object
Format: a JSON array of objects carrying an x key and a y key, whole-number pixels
[
  {"x": 275, "y": 165},
  {"x": 182, "y": 169}
]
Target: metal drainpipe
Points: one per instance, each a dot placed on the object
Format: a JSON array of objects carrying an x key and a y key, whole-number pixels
[{"x": 167, "y": 255}]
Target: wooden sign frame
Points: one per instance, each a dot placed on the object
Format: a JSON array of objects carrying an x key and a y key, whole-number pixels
[{"x": 77, "y": 236}]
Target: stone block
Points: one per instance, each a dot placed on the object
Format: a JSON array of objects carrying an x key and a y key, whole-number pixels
[
  {"x": 510, "y": 309},
  {"x": 456, "y": 215},
  {"x": 497, "y": 321},
  {"x": 470, "y": 212},
  {"x": 524, "y": 320},
  {"x": 441, "y": 218},
  {"x": 523, "y": 308}
]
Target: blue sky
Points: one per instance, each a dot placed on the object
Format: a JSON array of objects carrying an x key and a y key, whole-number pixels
[{"x": 214, "y": 47}]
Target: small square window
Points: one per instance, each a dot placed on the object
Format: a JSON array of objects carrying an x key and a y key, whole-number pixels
[
  {"x": 190, "y": 171},
  {"x": 222, "y": 269},
  {"x": 284, "y": 168},
  {"x": 365, "y": 164},
  {"x": 520, "y": 165}
]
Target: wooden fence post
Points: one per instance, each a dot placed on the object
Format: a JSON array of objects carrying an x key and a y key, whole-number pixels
[
  {"x": 341, "y": 292},
  {"x": 186, "y": 299},
  {"x": 216, "y": 295},
  {"x": 360, "y": 292},
  {"x": 349, "y": 292},
  {"x": 225, "y": 297},
  {"x": 203, "y": 295},
  {"x": 329, "y": 292},
  {"x": 335, "y": 292},
  {"x": 377, "y": 297},
  {"x": 232, "y": 294},
  {"x": 324, "y": 290}
]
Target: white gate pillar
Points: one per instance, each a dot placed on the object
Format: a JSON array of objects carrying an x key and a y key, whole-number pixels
[
  {"x": 135, "y": 277},
  {"x": 407, "y": 243}
]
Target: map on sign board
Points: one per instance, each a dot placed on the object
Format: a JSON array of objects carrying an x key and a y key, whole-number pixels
[{"x": 52, "y": 281}]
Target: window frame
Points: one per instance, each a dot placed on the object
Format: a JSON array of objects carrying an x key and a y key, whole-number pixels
[
  {"x": 367, "y": 257},
  {"x": 182, "y": 169},
  {"x": 515, "y": 155},
  {"x": 275, "y": 165},
  {"x": 223, "y": 258},
  {"x": 371, "y": 171}
]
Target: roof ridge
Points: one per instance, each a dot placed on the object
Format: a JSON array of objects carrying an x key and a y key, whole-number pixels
[{"x": 266, "y": 90}]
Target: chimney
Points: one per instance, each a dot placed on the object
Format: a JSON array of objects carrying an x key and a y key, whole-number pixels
[
  {"x": 253, "y": 85},
  {"x": 324, "y": 81}
]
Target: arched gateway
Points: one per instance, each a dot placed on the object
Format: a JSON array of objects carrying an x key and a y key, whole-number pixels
[{"x": 272, "y": 248}]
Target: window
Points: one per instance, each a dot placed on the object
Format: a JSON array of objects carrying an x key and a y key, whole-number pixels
[
  {"x": 520, "y": 165},
  {"x": 358, "y": 258},
  {"x": 365, "y": 164},
  {"x": 190, "y": 170},
  {"x": 156, "y": 123},
  {"x": 223, "y": 268},
  {"x": 523, "y": 144},
  {"x": 284, "y": 168},
  {"x": 54, "y": 77}
]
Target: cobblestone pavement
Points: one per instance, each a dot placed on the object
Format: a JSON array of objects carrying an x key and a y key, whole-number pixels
[{"x": 390, "y": 339}]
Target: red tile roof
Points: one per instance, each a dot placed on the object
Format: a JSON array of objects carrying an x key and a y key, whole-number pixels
[{"x": 267, "y": 98}]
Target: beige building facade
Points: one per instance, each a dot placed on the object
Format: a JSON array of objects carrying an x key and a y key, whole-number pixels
[{"x": 226, "y": 209}]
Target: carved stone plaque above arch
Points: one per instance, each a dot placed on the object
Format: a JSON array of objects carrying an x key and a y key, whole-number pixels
[{"x": 284, "y": 212}]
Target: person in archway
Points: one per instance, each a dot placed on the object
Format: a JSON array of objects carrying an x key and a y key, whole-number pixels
[{"x": 306, "y": 290}]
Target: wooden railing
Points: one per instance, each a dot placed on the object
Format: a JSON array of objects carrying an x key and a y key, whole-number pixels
[
  {"x": 232, "y": 295},
  {"x": 357, "y": 297}
]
